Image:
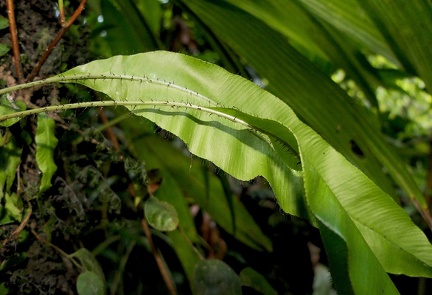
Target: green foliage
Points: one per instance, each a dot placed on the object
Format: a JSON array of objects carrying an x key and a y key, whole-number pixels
[
  {"x": 318, "y": 133},
  {"x": 45, "y": 145},
  {"x": 161, "y": 215},
  {"x": 89, "y": 283},
  {"x": 215, "y": 277},
  {"x": 326, "y": 172},
  {"x": 251, "y": 278}
]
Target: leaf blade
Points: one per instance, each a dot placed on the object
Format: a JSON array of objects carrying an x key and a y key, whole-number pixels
[{"x": 45, "y": 144}]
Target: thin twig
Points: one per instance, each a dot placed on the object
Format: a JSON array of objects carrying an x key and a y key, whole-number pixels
[
  {"x": 42, "y": 240},
  {"x": 109, "y": 132},
  {"x": 14, "y": 39},
  {"x": 61, "y": 10},
  {"x": 54, "y": 42},
  {"x": 164, "y": 272},
  {"x": 424, "y": 213},
  {"x": 18, "y": 230}
]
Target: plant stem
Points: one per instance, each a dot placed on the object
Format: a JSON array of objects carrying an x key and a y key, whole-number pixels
[
  {"x": 54, "y": 42},
  {"x": 61, "y": 11},
  {"x": 91, "y": 104},
  {"x": 162, "y": 267},
  {"x": 14, "y": 39},
  {"x": 40, "y": 239},
  {"x": 18, "y": 230},
  {"x": 428, "y": 186}
]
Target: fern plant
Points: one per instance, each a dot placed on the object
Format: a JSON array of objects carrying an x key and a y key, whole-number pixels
[{"x": 247, "y": 132}]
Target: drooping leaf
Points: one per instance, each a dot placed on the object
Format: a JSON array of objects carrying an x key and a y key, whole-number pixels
[
  {"x": 199, "y": 88},
  {"x": 215, "y": 277},
  {"x": 161, "y": 215},
  {"x": 46, "y": 142},
  {"x": 251, "y": 147},
  {"x": 312, "y": 95},
  {"x": 399, "y": 245}
]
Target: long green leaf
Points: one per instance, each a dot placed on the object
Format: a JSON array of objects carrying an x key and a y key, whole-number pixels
[
  {"x": 127, "y": 34},
  {"x": 318, "y": 39},
  {"x": 45, "y": 145},
  {"x": 350, "y": 17},
  {"x": 314, "y": 97},
  {"x": 335, "y": 188},
  {"x": 407, "y": 27},
  {"x": 246, "y": 151},
  {"x": 10, "y": 158}
]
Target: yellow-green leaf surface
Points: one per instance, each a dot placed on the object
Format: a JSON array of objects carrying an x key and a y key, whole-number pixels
[
  {"x": 312, "y": 95},
  {"x": 8, "y": 107},
  {"x": 46, "y": 142},
  {"x": 188, "y": 97}
]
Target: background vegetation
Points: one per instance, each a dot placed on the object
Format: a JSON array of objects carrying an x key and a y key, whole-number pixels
[{"x": 85, "y": 193}]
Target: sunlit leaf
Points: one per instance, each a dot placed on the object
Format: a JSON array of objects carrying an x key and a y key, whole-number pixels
[
  {"x": 251, "y": 146},
  {"x": 311, "y": 94},
  {"x": 7, "y": 107},
  {"x": 246, "y": 148}
]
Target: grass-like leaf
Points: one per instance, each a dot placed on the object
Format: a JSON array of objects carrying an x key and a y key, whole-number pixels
[{"x": 46, "y": 142}]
